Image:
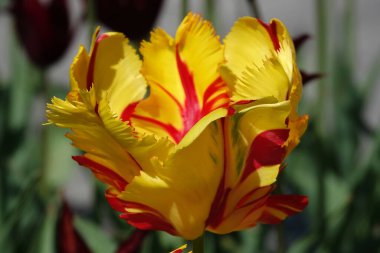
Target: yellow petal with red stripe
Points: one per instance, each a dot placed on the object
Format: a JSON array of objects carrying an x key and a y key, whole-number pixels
[
  {"x": 184, "y": 80},
  {"x": 112, "y": 67},
  {"x": 260, "y": 57},
  {"x": 179, "y": 191},
  {"x": 279, "y": 207},
  {"x": 90, "y": 135},
  {"x": 254, "y": 150}
]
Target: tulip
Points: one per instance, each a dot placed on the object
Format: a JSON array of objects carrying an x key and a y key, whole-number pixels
[
  {"x": 134, "y": 18},
  {"x": 203, "y": 148},
  {"x": 43, "y": 29}
]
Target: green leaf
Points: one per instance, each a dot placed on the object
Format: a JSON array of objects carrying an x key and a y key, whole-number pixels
[{"x": 47, "y": 236}]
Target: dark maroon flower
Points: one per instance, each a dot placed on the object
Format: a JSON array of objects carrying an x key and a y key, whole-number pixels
[
  {"x": 68, "y": 239},
  {"x": 133, "y": 243},
  {"x": 43, "y": 28},
  {"x": 134, "y": 18}
]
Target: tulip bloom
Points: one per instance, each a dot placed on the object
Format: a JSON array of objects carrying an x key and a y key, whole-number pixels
[
  {"x": 43, "y": 29},
  {"x": 131, "y": 17},
  {"x": 192, "y": 137}
]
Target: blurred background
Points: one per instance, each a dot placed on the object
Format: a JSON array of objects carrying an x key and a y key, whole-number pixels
[{"x": 49, "y": 204}]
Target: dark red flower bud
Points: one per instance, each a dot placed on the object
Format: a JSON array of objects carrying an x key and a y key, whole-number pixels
[
  {"x": 43, "y": 28},
  {"x": 68, "y": 239},
  {"x": 134, "y": 18},
  {"x": 133, "y": 243}
]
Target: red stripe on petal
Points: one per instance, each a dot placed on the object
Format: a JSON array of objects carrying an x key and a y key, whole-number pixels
[
  {"x": 170, "y": 95},
  {"x": 91, "y": 66},
  {"x": 266, "y": 149},
  {"x": 116, "y": 203},
  {"x": 287, "y": 204},
  {"x": 147, "y": 219},
  {"x": 220, "y": 200},
  {"x": 103, "y": 173},
  {"x": 212, "y": 104},
  {"x": 170, "y": 129},
  {"x": 250, "y": 198},
  {"x": 298, "y": 202},
  {"x": 128, "y": 111},
  {"x": 272, "y": 31},
  {"x": 191, "y": 112}
]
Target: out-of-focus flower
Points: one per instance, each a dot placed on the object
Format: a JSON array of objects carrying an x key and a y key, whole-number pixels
[
  {"x": 43, "y": 28},
  {"x": 68, "y": 239},
  {"x": 134, "y": 18},
  {"x": 134, "y": 242},
  {"x": 203, "y": 150}
]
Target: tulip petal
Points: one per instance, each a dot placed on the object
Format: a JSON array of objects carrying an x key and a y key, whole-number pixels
[
  {"x": 260, "y": 56},
  {"x": 90, "y": 135},
  {"x": 278, "y": 207},
  {"x": 112, "y": 67},
  {"x": 176, "y": 190},
  {"x": 184, "y": 80},
  {"x": 254, "y": 150}
]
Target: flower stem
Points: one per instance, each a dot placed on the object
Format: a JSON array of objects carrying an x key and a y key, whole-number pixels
[
  {"x": 198, "y": 244},
  {"x": 255, "y": 9},
  {"x": 185, "y": 8}
]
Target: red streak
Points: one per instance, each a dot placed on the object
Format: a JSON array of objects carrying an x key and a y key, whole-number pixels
[
  {"x": 91, "y": 66},
  {"x": 128, "y": 111},
  {"x": 272, "y": 31},
  {"x": 170, "y": 129},
  {"x": 103, "y": 173},
  {"x": 244, "y": 201},
  {"x": 285, "y": 204},
  {"x": 266, "y": 149},
  {"x": 149, "y": 219},
  {"x": 191, "y": 112},
  {"x": 171, "y": 96},
  {"x": 218, "y": 205}
]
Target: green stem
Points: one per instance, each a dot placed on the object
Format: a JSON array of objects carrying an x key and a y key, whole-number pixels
[
  {"x": 44, "y": 138},
  {"x": 185, "y": 7},
  {"x": 280, "y": 238},
  {"x": 322, "y": 35},
  {"x": 198, "y": 244},
  {"x": 210, "y": 11},
  {"x": 91, "y": 18},
  {"x": 321, "y": 22},
  {"x": 255, "y": 9}
]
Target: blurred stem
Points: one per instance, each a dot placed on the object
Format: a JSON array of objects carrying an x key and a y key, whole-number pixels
[
  {"x": 185, "y": 7},
  {"x": 91, "y": 18},
  {"x": 198, "y": 244},
  {"x": 280, "y": 238},
  {"x": 322, "y": 16},
  {"x": 255, "y": 9},
  {"x": 44, "y": 91},
  {"x": 321, "y": 58},
  {"x": 210, "y": 11}
]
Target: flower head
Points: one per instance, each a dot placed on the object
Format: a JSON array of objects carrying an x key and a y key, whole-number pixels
[
  {"x": 192, "y": 137},
  {"x": 43, "y": 29},
  {"x": 131, "y": 17}
]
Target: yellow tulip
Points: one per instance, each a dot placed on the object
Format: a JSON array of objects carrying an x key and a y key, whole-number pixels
[{"x": 193, "y": 136}]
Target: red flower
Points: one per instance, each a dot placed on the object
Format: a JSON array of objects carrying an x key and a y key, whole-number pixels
[
  {"x": 134, "y": 18},
  {"x": 43, "y": 29}
]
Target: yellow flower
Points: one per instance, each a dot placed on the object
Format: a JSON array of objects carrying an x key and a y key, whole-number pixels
[{"x": 192, "y": 137}]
